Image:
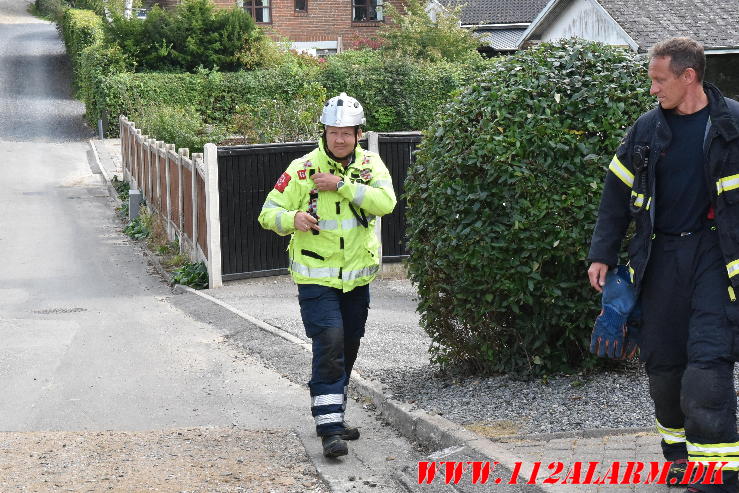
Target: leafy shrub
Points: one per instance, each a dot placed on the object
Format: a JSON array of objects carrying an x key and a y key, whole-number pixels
[
  {"x": 97, "y": 6},
  {"x": 412, "y": 33},
  {"x": 51, "y": 9},
  {"x": 398, "y": 93},
  {"x": 178, "y": 125},
  {"x": 139, "y": 228},
  {"x": 192, "y": 274},
  {"x": 80, "y": 29},
  {"x": 96, "y": 62},
  {"x": 282, "y": 120},
  {"x": 194, "y": 35},
  {"x": 503, "y": 199}
]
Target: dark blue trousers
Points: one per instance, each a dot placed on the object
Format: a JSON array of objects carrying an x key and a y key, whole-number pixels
[
  {"x": 686, "y": 345},
  {"x": 335, "y": 322}
]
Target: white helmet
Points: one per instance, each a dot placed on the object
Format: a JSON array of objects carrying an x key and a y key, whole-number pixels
[{"x": 342, "y": 111}]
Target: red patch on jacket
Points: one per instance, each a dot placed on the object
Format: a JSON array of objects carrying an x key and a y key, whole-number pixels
[
  {"x": 301, "y": 174},
  {"x": 282, "y": 182}
]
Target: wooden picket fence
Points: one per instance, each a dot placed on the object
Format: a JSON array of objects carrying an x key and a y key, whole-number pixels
[{"x": 174, "y": 186}]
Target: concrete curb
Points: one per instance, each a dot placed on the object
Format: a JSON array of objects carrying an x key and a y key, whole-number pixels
[
  {"x": 430, "y": 430},
  {"x": 104, "y": 173}
]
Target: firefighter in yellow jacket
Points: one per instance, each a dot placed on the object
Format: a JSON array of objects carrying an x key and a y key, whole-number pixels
[{"x": 328, "y": 201}]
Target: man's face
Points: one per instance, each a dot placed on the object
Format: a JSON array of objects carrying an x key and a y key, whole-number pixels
[
  {"x": 670, "y": 89},
  {"x": 340, "y": 140}
]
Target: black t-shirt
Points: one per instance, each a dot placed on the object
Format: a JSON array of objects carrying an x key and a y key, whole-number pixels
[{"x": 682, "y": 198}]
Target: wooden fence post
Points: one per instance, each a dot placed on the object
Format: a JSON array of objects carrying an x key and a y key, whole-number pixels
[
  {"x": 195, "y": 205},
  {"x": 212, "y": 216},
  {"x": 184, "y": 153}
]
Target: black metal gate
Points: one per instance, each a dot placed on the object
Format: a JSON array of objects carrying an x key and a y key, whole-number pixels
[
  {"x": 397, "y": 151},
  {"x": 246, "y": 174}
]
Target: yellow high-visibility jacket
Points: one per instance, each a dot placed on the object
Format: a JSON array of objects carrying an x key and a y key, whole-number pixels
[{"x": 345, "y": 254}]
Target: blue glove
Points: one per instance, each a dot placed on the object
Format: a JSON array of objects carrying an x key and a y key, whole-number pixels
[
  {"x": 633, "y": 330},
  {"x": 618, "y": 301}
]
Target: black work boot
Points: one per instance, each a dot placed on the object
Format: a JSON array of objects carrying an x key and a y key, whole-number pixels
[
  {"x": 334, "y": 446},
  {"x": 676, "y": 473},
  {"x": 350, "y": 432}
]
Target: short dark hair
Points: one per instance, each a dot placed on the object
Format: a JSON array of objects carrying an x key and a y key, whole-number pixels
[{"x": 684, "y": 53}]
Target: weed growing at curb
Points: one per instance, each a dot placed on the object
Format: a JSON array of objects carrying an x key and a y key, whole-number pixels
[
  {"x": 151, "y": 227},
  {"x": 122, "y": 188},
  {"x": 139, "y": 228},
  {"x": 193, "y": 274}
]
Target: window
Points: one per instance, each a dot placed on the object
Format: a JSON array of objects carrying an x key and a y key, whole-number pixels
[
  {"x": 301, "y": 5},
  {"x": 260, "y": 10},
  {"x": 367, "y": 10}
]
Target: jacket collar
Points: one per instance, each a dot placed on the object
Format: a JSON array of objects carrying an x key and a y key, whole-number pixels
[
  {"x": 720, "y": 116},
  {"x": 358, "y": 156}
]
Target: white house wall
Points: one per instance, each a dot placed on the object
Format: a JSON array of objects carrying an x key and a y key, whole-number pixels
[{"x": 585, "y": 19}]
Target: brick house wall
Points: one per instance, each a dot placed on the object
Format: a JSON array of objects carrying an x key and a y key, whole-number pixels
[{"x": 323, "y": 21}]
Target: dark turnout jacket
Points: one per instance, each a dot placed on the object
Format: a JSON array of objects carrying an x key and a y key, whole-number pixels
[{"x": 629, "y": 189}]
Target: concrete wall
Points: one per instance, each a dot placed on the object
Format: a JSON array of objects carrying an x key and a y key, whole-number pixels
[
  {"x": 723, "y": 70},
  {"x": 585, "y": 19}
]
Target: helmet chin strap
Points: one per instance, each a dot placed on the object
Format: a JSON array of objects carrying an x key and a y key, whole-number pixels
[{"x": 331, "y": 154}]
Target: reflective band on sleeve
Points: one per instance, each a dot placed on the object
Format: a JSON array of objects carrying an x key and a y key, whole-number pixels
[
  {"x": 359, "y": 196},
  {"x": 671, "y": 435},
  {"x": 621, "y": 171},
  {"x": 351, "y": 275},
  {"x": 631, "y": 277},
  {"x": 727, "y": 183},
  {"x": 324, "y": 419},
  {"x": 649, "y": 203},
  {"x": 733, "y": 268},
  {"x": 314, "y": 272},
  {"x": 271, "y": 204},
  {"x": 381, "y": 183},
  {"x": 732, "y": 295},
  {"x": 278, "y": 222},
  {"x": 327, "y": 400},
  {"x": 328, "y": 224},
  {"x": 639, "y": 200}
]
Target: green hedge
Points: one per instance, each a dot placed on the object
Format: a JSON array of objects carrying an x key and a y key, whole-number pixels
[
  {"x": 502, "y": 203},
  {"x": 216, "y": 94},
  {"x": 80, "y": 29},
  {"x": 398, "y": 94}
]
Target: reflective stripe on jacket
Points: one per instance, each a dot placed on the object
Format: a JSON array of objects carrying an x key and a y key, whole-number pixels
[{"x": 344, "y": 254}]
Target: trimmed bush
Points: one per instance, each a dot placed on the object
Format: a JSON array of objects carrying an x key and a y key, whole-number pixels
[
  {"x": 51, "y": 9},
  {"x": 282, "y": 120},
  {"x": 80, "y": 29},
  {"x": 178, "y": 125},
  {"x": 502, "y": 203},
  {"x": 194, "y": 35},
  {"x": 399, "y": 93},
  {"x": 96, "y": 63}
]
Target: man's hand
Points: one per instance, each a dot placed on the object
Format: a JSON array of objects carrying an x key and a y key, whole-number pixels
[
  {"x": 597, "y": 274},
  {"x": 304, "y": 222},
  {"x": 326, "y": 182}
]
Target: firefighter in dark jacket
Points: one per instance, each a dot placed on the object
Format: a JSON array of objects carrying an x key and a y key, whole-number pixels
[{"x": 676, "y": 175}]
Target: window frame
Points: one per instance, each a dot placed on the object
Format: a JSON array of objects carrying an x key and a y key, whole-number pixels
[
  {"x": 251, "y": 8},
  {"x": 378, "y": 6}
]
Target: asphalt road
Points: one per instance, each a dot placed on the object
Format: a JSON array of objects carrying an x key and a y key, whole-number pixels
[{"x": 99, "y": 360}]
